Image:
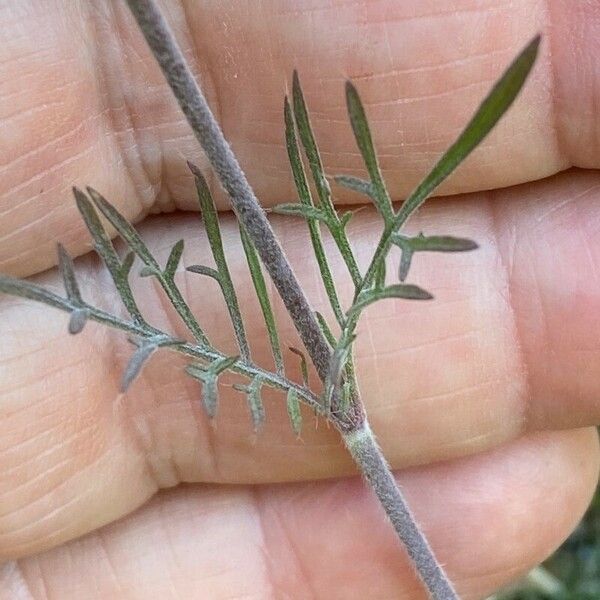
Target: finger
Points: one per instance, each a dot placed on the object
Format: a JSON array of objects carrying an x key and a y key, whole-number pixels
[
  {"x": 98, "y": 112},
  {"x": 489, "y": 518},
  {"x": 452, "y": 377}
]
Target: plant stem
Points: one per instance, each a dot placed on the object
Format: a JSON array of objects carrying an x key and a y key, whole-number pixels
[
  {"x": 364, "y": 450},
  {"x": 351, "y": 423},
  {"x": 244, "y": 202}
]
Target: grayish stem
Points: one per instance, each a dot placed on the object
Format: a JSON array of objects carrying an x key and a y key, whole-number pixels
[
  {"x": 357, "y": 435},
  {"x": 244, "y": 202},
  {"x": 367, "y": 455}
]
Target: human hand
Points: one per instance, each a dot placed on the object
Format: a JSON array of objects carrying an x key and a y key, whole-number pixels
[{"x": 500, "y": 370}]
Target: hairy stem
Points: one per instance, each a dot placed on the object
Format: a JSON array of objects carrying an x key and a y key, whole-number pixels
[
  {"x": 254, "y": 221},
  {"x": 243, "y": 200},
  {"x": 367, "y": 455}
]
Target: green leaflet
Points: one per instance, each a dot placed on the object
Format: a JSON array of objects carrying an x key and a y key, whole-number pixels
[
  {"x": 173, "y": 260},
  {"x": 434, "y": 243},
  {"x": 405, "y": 291},
  {"x": 67, "y": 272},
  {"x": 300, "y": 210},
  {"x": 127, "y": 263},
  {"x": 326, "y": 329},
  {"x": 206, "y": 271},
  {"x": 310, "y": 146},
  {"x": 145, "y": 348},
  {"x": 135, "y": 364},
  {"x": 209, "y": 376},
  {"x": 257, "y": 409},
  {"x": 80, "y": 314},
  {"x": 124, "y": 229},
  {"x": 496, "y": 103},
  {"x": 362, "y": 135},
  {"x": 78, "y": 319},
  {"x": 379, "y": 282},
  {"x": 25, "y": 289},
  {"x": 213, "y": 231},
  {"x": 210, "y": 393},
  {"x": 255, "y": 403},
  {"x": 303, "y": 365},
  {"x": 322, "y": 185},
  {"x": 306, "y": 199},
  {"x": 119, "y": 271},
  {"x": 293, "y": 409},
  {"x": 337, "y": 365},
  {"x": 360, "y": 186},
  {"x": 260, "y": 287},
  {"x": 405, "y": 263}
]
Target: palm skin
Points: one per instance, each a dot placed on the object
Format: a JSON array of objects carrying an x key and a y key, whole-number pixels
[{"x": 489, "y": 394}]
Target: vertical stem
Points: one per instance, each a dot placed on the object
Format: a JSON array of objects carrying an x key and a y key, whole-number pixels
[{"x": 364, "y": 450}]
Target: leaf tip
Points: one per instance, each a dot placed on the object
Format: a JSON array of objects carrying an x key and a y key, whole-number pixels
[
  {"x": 295, "y": 80},
  {"x": 81, "y": 199},
  {"x": 194, "y": 169},
  {"x": 534, "y": 44},
  {"x": 77, "y": 192},
  {"x": 94, "y": 195},
  {"x": 147, "y": 271},
  {"x": 77, "y": 321}
]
